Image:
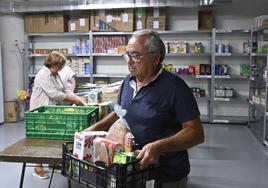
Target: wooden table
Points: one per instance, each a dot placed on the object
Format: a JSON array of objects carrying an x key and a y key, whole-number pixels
[{"x": 33, "y": 151}]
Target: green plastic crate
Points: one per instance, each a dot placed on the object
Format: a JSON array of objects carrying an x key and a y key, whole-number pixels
[{"x": 59, "y": 122}]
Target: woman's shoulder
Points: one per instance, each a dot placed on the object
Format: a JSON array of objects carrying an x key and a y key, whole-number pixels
[{"x": 43, "y": 73}]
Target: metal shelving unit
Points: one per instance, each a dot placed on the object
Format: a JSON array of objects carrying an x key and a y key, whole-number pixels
[
  {"x": 182, "y": 59},
  {"x": 258, "y": 91},
  {"x": 35, "y": 40},
  {"x": 209, "y": 57},
  {"x": 235, "y": 39}
]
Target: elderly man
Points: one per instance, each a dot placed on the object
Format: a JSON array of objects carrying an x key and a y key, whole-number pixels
[{"x": 161, "y": 111}]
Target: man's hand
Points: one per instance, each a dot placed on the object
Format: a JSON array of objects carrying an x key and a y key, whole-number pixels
[{"x": 149, "y": 154}]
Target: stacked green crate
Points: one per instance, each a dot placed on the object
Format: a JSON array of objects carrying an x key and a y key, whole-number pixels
[
  {"x": 245, "y": 70},
  {"x": 59, "y": 122}
]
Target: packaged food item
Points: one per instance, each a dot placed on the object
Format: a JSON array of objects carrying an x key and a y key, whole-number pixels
[
  {"x": 129, "y": 141},
  {"x": 124, "y": 157},
  {"x": 104, "y": 150},
  {"x": 83, "y": 144}
]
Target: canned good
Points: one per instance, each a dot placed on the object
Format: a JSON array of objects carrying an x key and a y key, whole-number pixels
[
  {"x": 218, "y": 69},
  {"x": 77, "y": 43},
  {"x": 228, "y": 48},
  {"x": 221, "y": 48},
  {"x": 246, "y": 47},
  {"x": 225, "y": 69},
  {"x": 219, "y": 91},
  {"x": 229, "y": 92},
  {"x": 129, "y": 141}
]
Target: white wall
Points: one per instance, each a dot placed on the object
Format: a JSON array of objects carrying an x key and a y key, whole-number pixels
[
  {"x": 1, "y": 90},
  {"x": 239, "y": 14},
  {"x": 11, "y": 29}
]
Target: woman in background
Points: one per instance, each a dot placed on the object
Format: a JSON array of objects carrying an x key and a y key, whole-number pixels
[
  {"x": 49, "y": 89},
  {"x": 67, "y": 75}
]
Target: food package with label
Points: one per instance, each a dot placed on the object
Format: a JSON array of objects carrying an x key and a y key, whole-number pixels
[
  {"x": 182, "y": 47},
  {"x": 124, "y": 157},
  {"x": 83, "y": 144},
  {"x": 104, "y": 150}
]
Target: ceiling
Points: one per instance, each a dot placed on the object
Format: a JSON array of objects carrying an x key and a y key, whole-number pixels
[{"x": 22, "y": 6}]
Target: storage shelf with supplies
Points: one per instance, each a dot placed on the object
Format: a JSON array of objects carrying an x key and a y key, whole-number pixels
[
  {"x": 258, "y": 86},
  {"x": 231, "y": 60},
  {"x": 109, "y": 66}
]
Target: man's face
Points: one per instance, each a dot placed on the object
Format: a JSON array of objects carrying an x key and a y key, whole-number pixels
[{"x": 141, "y": 63}]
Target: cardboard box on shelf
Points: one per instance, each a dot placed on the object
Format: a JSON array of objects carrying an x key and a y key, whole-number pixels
[
  {"x": 43, "y": 23},
  {"x": 12, "y": 112},
  {"x": 156, "y": 12},
  {"x": 140, "y": 23},
  {"x": 78, "y": 25},
  {"x": 156, "y": 19},
  {"x": 156, "y": 23},
  {"x": 112, "y": 20},
  {"x": 205, "y": 20}
]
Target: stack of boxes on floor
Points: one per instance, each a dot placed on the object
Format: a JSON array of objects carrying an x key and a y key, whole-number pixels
[{"x": 12, "y": 112}]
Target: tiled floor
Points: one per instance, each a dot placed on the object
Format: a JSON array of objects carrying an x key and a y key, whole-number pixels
[{"x": 231, "y": 157}]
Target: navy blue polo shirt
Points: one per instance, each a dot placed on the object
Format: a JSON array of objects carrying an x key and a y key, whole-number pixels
[{"x": 156, "y": 112}]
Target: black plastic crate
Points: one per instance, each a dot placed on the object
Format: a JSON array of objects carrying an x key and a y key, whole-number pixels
[{"x": 98, "y": 175}]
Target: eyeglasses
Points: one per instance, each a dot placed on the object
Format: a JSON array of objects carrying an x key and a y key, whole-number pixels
[{"x": 134, "y": 57}]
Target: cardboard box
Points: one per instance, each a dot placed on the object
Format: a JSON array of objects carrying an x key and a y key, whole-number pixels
[
  {"x": 140, "y": 23},
  {"x": 156, "y": 23},
  {"x": 205, "y": 20},
  {"x": 83, "y": 144},
  {"x": 112, "y": 20},
  {"x": 78, "y": 25},
  {"x": 104, "y": 108},
  {"x": 109, "y": 96},
  {"x": 93, "y": 96},
  {"x": 156, "y": 12},
  {"x": 44, "y": 23},
  {"x": 264, "y": 22},
  {"x": 12, "y": 112}
]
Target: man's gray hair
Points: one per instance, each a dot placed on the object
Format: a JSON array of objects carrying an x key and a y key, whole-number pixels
[{"x": 153, "y": 42}]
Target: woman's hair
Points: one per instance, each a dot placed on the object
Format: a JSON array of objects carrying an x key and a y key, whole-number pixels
[
  {"x": 153, "y": 42},
  {"x": 55, "y": 59}
]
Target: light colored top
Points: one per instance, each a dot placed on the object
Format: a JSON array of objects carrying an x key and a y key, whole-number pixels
[
  {"x": 66, "y": 74},
  {"x": 48, "y": 89}
]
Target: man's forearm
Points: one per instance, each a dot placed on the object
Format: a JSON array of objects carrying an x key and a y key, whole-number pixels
[
  {"x": 192, "y": 134},
  {"x": 104, "y": 124}
]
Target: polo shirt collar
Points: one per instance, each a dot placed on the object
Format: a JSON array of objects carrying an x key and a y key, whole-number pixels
[{"x": 132, "y": 81}]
